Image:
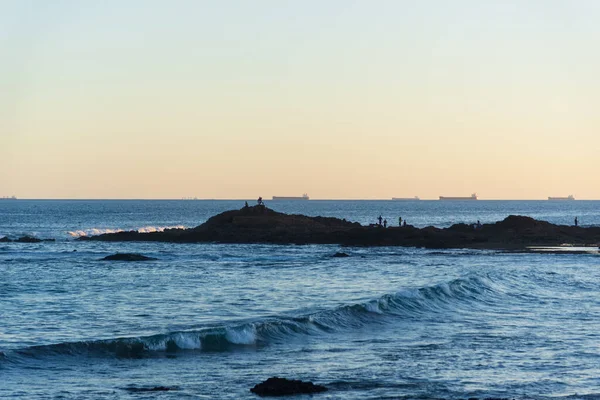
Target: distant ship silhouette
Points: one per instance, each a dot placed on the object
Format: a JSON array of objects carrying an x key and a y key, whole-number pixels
[
  {"x": 472, "y": 197},
  {"x": 569, "y": 197},
  {"x": 303, "y": 197},
  {"x": 406, "y": 198},
  {"x": 8, "y": 198}
]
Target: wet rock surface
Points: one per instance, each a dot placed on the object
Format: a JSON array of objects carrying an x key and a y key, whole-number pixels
[
  {"x": 24, "y": 239},
  {"x": 127, "y": 257},
  {"x": 28, "y": 239},
  {"x": 276, "y": 386}
]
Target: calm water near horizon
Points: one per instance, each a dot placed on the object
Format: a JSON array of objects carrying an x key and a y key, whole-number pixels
[{"x": 212, "y": 320}]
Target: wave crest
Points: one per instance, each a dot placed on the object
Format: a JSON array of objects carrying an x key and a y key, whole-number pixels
[
  {"x": 409, "y": 303},
  {"x": 100, "y": 231}
]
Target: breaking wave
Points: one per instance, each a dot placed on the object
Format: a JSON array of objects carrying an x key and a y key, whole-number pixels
[
  {"x": 100, "y": 231},
  {"x": 431, "y": 301}
]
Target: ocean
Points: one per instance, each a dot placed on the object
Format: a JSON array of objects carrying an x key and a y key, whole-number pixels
[{"x": 209, "y": 321}]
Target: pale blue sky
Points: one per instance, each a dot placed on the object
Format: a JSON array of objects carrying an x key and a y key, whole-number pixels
[{"x": 343, "y": 99}]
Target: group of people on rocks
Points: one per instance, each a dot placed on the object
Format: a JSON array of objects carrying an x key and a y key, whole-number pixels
[{"x": 384, "y": 223}]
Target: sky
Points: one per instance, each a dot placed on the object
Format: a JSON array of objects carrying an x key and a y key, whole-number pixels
[{"x": 339, "y": 99}]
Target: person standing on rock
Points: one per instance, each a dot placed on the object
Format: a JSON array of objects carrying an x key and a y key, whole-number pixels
[
  {"x": 576, "y": 221},
  {"x": 260, "y": 201},
  {"x": 385, "y": 223},
  {"x": 380, "y": 219},
  {"x": 399, "y": 221}
]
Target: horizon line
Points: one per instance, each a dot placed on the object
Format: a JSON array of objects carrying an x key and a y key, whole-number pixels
[{"x": 300, "y": 201}]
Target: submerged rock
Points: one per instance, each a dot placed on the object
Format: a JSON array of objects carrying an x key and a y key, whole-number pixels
[
  {"x": 276, "y": 386},
  {"x": 150, "y": 389},
  {"x": 127, "y": 257},
  {"x": 28, "y": 239},
  {"x": 340, "y": 254},
  {"x": 25, "y": 239}
]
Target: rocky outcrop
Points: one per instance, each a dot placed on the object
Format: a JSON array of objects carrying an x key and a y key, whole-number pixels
[
  {"x": 127, "y": 257},
  {"x": 284, "y": 387},
  {"x": 259, "y": 224},
  {"x": 24, "y": 239},
  {"x": 28, "y": 239}
]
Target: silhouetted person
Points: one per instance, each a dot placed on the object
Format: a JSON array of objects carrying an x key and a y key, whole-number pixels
[
  {"x": 380, "y": 219},
  {"x": 404, "y": 223},
  {"x": 385, "y": 223},
  {"x": 259, "y": 201},
  {"x": 399, "y": 221},
  {"x": 478, "y": 224},
  {"x": 576, "y": 221},
  {"x": 246, "y": 205}
]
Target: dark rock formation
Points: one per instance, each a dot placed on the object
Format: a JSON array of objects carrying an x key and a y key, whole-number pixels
[
  {"x": 283, "y": 387},
  {"x": 25, "y": 239},
  {"x": 127, "y": 257},
  {"x": 259, "y": 224},
  {"x": 340, "y": 254},
  {"x": 28, "y": 239},
  {"x": 150, "y": 389}
]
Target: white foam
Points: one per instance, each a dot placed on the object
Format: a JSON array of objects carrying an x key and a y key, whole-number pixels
[
  {"x": 445, "y": 289},
  {"x": 100, "y": 231},
  {"x": 158, "y": 346},
  {"x": 187, "y": 341},
  {"x": 245, "y": 335},
  {"x": 148, "y": 229},
  {"x": 373, "y": 306}
]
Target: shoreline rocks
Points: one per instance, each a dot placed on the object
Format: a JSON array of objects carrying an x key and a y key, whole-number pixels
[
  {"x": 24, "y": 239},
  {"x": 276, "y": 386},
  {"x": 260, "y": 224}
]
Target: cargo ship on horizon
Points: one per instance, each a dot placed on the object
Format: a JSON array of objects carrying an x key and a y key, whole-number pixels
[
  {"x": 303, "y": 197},
  {"x": 8, "y": 198},
  {"x": 472, "y": 197},
  {"x": 569, "y": 197},
  {"x": 406, "y": 198}
]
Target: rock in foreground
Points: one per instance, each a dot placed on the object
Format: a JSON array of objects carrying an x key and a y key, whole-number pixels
[
  {"x": 284, "y": 387},
  {"x": 127, "y": 257}
]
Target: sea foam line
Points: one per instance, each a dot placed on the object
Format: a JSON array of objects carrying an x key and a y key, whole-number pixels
[{"x": 100, "y": 231}]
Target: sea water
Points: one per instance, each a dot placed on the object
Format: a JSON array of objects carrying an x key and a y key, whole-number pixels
[{"x": 209, "y": 321}]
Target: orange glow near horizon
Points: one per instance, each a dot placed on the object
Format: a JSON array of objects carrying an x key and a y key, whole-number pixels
[{"x": 340, "y": 101}]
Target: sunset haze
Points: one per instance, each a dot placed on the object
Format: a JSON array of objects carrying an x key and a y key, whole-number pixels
[{"x": 337, "y": 99}]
